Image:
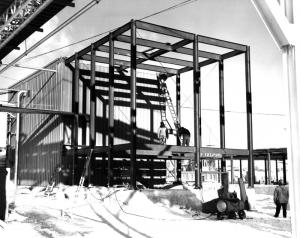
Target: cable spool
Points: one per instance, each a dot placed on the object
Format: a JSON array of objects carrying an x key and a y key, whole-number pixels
[{"x": 221, "y": 206}]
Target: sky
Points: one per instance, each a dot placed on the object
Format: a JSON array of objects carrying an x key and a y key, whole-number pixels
[{"x": 231, "y": 20}]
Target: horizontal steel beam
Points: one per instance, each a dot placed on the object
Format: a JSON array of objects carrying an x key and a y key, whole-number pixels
[
  {"x": 189, "y": 36},
  {"x": 164, "y": 30},
  {"x": 201, "y": 64},
  {"x": 168, "y": 47},
  {"x": 118, "y": 77},
  {"x": 231, "y": 54},
  {"x": 125, "y": 63},
  {"x": 221, "y": 43},
  {"x": 142, "y": 55}
]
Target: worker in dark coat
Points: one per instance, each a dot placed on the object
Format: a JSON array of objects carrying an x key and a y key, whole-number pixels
[
  {"x": 281, "y": 198},
  {"x": 3, "y": 174},
  {"x": 186, "y": 136}
]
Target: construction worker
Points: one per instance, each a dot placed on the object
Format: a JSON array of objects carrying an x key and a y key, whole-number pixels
[
  {"x": 3, "y": 174},
  {"x": 186, "y": 136},
  {"x": 162, "y": 82},
  {"x": 162, "y": 133},
  {"x": 281, "y": 198}
]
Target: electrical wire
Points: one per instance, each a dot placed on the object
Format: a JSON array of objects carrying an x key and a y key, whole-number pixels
[
  {"x": 240, "y": 112},
  {"x": 169, "y": 8},
  {"x": 99, "y": 34}
]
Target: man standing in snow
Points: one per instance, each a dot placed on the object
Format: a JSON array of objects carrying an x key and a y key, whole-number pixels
[
  {"x": 3, "y": 174},
  {"x": 281, "y": 198}
]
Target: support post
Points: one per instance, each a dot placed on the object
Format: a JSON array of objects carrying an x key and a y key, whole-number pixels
[
  {"x": 178, "y": 111},
  {"x": 110, "y": 111},
  {"x": 289, "y": 62},
  {"x": 197, "y": 113},
  {"x": 241, "y": 169},
  {"x": 222, "y": 112},
  {"x": 133, "y": 168},
  {"x": 75, "y": 110},
  {"x": 284, "y": 169},
  {"x": 92, "y": 131},
  {"x": 269, "y": 168},
  {"x": 249, "y": 119},
  {"x": 266, "y": 171},
  {"x": 232, "y": 170},
  {"x": 276, "y": 165}
]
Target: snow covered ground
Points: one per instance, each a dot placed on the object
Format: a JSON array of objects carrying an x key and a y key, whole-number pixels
[{"x": 103, "y": 212}]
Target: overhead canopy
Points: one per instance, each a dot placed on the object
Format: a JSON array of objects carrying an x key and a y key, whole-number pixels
[{"x": 20, "y": 19}]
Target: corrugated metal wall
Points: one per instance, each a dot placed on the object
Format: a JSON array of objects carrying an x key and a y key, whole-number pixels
[{"x": 41, "y": 134}]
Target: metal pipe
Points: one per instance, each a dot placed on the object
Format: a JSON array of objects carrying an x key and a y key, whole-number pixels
[
  {"x": 19, "y": 98},
  {"x": 29, "y": 67},
  {"x": 111, "y": 110}
]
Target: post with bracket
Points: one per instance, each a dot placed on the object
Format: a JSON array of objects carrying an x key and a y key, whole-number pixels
[
  {"x": 197, "y": 113},
  {"x": 178, "y": 112}
]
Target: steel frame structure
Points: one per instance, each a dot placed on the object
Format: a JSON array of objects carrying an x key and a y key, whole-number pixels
[{"x": 158, "y": 50}]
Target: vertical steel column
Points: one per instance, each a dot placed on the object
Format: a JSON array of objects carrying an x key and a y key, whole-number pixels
[
  {"x": 269, "y": 168},
  {"x": 93, "y": 99},
  {"x": 266, "y": 171},
  {"x": 222, "y": 112},
  {"x": 249, "y": 118},
  {"x": 232, "y": 170},
  {"x": 92, "y": 139},
  {"x": 75, "y": 109},
  {"x": 284, "y": 169},
  {"x": 197, "y": 113},
  {"x": 83, "y": 120},
  {"x": 178, "y": 111},
  {"x": 241, "y": 169},
  {"x": 110, "y": 111},
  {"x": 276, "y": 167},
  {"x": 133, "y": 104}
]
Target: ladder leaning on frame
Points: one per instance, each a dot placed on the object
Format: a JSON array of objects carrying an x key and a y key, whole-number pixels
[{"x": 84, "y": 172}]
